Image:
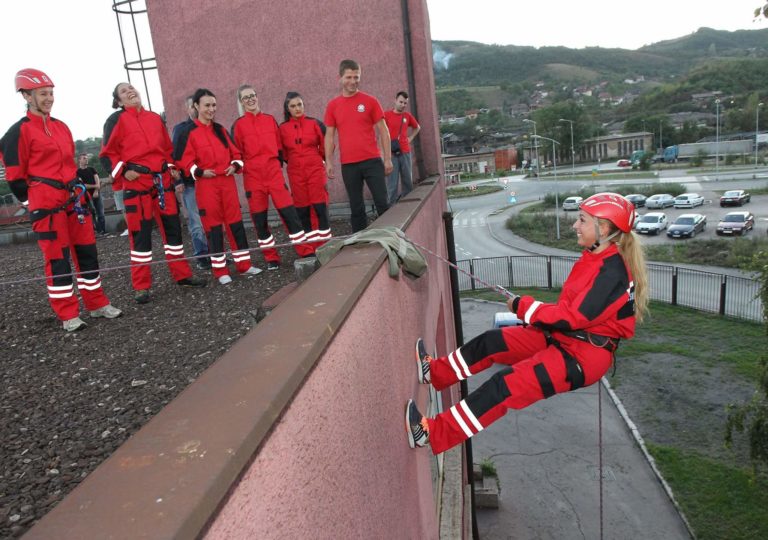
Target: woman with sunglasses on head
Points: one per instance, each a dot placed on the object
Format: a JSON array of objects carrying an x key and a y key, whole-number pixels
[
  {"x": 206, "y": 152},
  {"x": 561, "y": 347},
  {"x": 137, "y": 149},
  {"x": 303, "y": 140},
  {"x": 39, "y": 157},
  {"x": 258, "y": 137}
]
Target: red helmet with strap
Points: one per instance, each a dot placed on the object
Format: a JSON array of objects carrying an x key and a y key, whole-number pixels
[
  {"x": 29, "y": 79},
  {"x": 613, "y": 207}
]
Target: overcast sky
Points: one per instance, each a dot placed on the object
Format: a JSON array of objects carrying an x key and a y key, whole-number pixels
[{"x": 82, "y": 53}]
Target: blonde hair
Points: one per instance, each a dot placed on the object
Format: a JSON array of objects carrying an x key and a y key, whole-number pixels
[{"x": 632, "y": 251}]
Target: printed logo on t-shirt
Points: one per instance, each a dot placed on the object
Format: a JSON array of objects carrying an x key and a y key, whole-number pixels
[{"x": 361, "y": 108}]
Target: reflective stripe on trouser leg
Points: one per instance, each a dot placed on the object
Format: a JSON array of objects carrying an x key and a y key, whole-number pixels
[
  {"x": 295, "y": 231},
  {"x": 86, "y": 261},
  {"x": 239, "y": 243},
  {"x": 469, "y": 359},
  {"x": 170, "y": 231},
  {"x": 138, "y": 215},
  {"x": 216, "y": 247},
  {"x": 56, "y": 256},
  {"x": 264, "y": 236},
  {"x": 468, "y": 417}
]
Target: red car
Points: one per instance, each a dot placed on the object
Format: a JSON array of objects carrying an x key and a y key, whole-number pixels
[{"x": 623, "y": 163}]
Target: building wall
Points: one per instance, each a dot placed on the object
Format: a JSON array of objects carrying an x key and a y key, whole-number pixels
[{"x": 296, "y": 46}]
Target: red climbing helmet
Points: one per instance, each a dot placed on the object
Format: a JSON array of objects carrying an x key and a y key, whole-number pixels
[
  {"x": 613, "y": 207},
  {"x": 29, "y": 79}
]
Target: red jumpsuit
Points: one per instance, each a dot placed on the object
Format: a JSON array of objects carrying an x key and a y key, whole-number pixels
[
  {"x": 136, "y": 139},
  {"x": 597, "y": 298},
  {"x": 304, "y": 146},
  {"x": 210, "y": 147},
  {"x": 257, "y": 135},
  {"x": 39, "y": 157}
]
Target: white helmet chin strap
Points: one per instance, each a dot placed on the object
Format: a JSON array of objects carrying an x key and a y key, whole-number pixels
[{"x": 600, "y": 241}]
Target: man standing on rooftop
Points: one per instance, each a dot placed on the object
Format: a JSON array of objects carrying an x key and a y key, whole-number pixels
[{"x": 357, "y": 117}]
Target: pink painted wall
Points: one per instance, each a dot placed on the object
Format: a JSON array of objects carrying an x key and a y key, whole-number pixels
[
  {"x": 293, "y": 46},
  {"x": 337, "y": 464}
]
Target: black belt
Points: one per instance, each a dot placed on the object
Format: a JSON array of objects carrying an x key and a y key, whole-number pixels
[
  {"x": 131, "y": 193},
  {"x": 604, "y": 342},
  {"x": 51, "y": 182},
  {"x": 141, "y": 169}
]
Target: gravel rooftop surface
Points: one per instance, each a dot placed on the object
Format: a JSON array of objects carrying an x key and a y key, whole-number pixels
[{"x": 67, "y": 401}]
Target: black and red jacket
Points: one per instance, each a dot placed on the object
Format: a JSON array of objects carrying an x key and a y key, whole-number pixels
[
  {"x": 204, "y": 147},
  {"x": 135, "y": 136},
  {"x": 598, "y": 297},
  {"x": 303, "y": 139},
  {"x": 258, "y": 137},
  {"x": 38, "y": 147}
]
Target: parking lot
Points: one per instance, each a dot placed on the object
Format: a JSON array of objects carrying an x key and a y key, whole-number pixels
[{"x": 713, "y": 212}]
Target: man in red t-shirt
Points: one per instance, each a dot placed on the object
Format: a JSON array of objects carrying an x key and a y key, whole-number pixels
[
  {"x": 398, "y": 121},
  {"x": 357, "y": 117}
]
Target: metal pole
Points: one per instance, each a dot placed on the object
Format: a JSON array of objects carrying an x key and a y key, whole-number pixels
[
  {"x": 717, "y": 137},
  {"x": 757, "y": 128},
  {"x": 557, "y": 190},
  {"x": 573, "y": 155}
]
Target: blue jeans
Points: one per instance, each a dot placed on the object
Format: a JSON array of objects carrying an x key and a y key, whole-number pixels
[
  {"x": 98, "y": 216},
  {"x": 199, "y": 243},
  {"x": 401, "y": 171}
]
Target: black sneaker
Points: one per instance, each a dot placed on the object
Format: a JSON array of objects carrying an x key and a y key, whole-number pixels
[
  {"x": 273, "y": 265},
  {"x": 203, "y": 264},
  {"x": 423, "y": 361},
  {"x": 193, "y": 281},
  {"x": 142, "y": 296},
  {"x": 415, "y": 426}
]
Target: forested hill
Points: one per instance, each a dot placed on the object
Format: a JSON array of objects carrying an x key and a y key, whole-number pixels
[{"x": 463, "y": 63}]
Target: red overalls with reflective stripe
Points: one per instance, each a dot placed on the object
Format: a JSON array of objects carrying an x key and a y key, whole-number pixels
[
  {"x": 137, "y": 137},
  {"x": 38, "y": 148},
  {"x": 597, "y": 297}
]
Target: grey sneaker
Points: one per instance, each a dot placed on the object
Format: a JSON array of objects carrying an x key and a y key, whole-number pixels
[
  {"x": 225, "y": 280},
  {"x": 252, "y": 271},
  {"x": 73, "y": 325},
  {"x": 273, "y": 265},
  {"x": 423, "y": 361},
  {"x": 108, "y": 312},
  {"x": 415, "y": 426}
]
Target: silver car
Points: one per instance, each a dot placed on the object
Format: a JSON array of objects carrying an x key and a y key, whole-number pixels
[
  {"x": 651, "y": 223},
  {"x": 572, "y": 203},
  {"x": 660, "y": 200}
]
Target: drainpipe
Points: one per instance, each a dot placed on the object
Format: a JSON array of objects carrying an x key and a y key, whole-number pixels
[
  {"x": 457, "y": 323},
  {"x": 416, "y": 145}
]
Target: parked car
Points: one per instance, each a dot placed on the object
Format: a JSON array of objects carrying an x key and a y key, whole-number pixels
[
  {"x": 736, "y": 223},
  {"x": 572, "y": 203},
  {"x": 660, "y": 200},
  {"x": 624, "y": 163},
  {"x": 651, "y": 223},
  {"x": 687, "y": 226},
  {"x": 735, "y": 197},
  {"x": 636, "y": 198},
  {"x": 688, "y": 200}
]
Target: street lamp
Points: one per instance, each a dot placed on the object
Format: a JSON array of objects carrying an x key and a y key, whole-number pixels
[
  {"x": 573, "y": 156},
  {"x": 537, "y": 144},
  {"x": 757, "y": 127},
  {"x": 717, "y": 137},
  {"x": 557, "y": 190}
]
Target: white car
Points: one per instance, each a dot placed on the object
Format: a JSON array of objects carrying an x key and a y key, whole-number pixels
[
  {"x": 688, "y": 200},
  {"x": 651, "y": 223},
  {"x": 572, "y": 203}
]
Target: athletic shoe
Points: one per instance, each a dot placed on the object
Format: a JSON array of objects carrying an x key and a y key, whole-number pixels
[
  {"x": 72, "y": 325},
  {"x": 203, "y": 263},
  {"x": 224, "y": 280},
  {"x": 252, "y": 271},
  {"x": 108, "y": 312},
  {"x": 193, "y": 281},
  {"x": 273, "y": 265},
  {"x": 142, "y": 296},
  {"x": 124, "y": 233},
  {"x": 423, "y": 361},
  {"x": 416, "y": 426}
]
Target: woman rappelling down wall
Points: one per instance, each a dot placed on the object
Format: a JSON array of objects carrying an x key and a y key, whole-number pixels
[{"x": 561, "y": 347}]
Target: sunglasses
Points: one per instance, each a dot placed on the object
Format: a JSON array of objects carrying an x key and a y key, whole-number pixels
[{"x": 249, "y": 97}]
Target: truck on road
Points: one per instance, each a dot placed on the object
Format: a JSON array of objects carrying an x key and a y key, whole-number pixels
[{"x": 707, "y": 149}]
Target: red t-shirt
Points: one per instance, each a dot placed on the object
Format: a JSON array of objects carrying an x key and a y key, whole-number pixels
[
  {"x": 354, "y": 117},
  {"x": 394, "y": 121}
]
